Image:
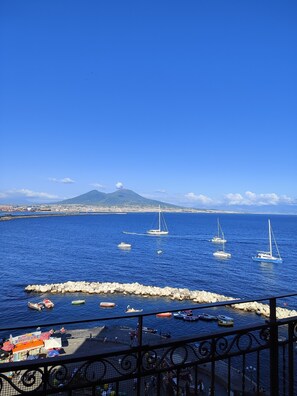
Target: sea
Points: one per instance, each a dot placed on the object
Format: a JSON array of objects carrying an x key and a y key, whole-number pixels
[{"x": 57, "y": 249}]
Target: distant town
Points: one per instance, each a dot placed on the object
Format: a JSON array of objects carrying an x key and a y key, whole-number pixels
[
  {"x": 95, "y": 202},
  {"x": 84, "y": 209}
]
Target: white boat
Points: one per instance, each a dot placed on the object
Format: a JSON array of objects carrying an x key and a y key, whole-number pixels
[
  {"x": 220, "y": 237},
  {"x": 132, "y": 310},
  {"x": 107, "y": 304},
  {"x": 124, "y": 245},
  {"x": 162, "y": 227},
  {"x": 221, "y": 254},
  {"x": 267, "y": 257},
  {"x": 78, "y": 302}
]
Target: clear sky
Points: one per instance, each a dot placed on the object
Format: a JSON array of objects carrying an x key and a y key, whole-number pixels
[{"x": 190, "y": 102}]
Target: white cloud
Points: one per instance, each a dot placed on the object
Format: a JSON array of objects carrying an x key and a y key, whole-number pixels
[
  {"x": 24, "y": 192},
  {"x": 97, "y": 185},
  {"x": 65, "y": 180},
  {"x": 119, "y": 185},
  {"x": 203, "y": 199},
  {"x": 250, "y": 198}
]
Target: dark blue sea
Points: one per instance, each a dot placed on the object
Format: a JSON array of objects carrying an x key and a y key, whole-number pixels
[{"x": 84, "y": 248}]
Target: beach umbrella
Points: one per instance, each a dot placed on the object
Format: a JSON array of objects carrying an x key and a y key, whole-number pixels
[
  {"x": 7, "y": 346},
  {"x": 52, "y": 353}
]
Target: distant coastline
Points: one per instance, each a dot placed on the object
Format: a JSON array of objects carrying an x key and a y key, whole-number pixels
[{"x": 14, "y": 213}]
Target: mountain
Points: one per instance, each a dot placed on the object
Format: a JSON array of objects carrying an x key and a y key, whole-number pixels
[
  {"x": 90, "y": 198},
  {"x": 123, "y": 197}
]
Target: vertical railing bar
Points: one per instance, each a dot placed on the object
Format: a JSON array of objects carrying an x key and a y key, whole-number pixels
[
  {"x": 291, "y": 359},
  {"x": 243, "y": 373},
  {"x": 159, "y": 384},
  {"x": 196, "y": 380},
  {"x": 212, "y": 379},
  {"x": 258, "y": 372},
  {"x": 229, "y": 376},
  {"x": 177, "y": 381},
  {"x": 274, "y": 380},
  {"x": 284, "y": 368},
  {"x": 139, "y": 362}
]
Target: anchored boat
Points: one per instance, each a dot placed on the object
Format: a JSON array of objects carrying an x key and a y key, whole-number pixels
[
  {"x": 267, "y": 257},
  {"x": 162, "y": 227}
]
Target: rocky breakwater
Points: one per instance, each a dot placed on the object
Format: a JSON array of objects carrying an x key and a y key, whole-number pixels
[{"x": 179, "y": 294}]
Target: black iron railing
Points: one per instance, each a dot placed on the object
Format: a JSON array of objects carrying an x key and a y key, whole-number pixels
[{"x": 249, "y": 360}]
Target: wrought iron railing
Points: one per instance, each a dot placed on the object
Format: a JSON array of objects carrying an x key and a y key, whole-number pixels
[{"x": 250, "y": 360}]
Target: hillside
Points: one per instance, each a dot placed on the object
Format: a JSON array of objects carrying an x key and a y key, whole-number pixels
[{"x": 121, "y": 198}]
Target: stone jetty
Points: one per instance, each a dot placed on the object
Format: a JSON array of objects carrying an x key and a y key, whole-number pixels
[{"x": 137, "y": 289}]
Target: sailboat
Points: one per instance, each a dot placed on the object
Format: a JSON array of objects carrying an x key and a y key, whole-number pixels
[
  {"x": 220, "y": 237},
  {"x": 162, "y": 227},
  {"x": 221, "y": 253},
  {"x": 267, "y": 257}
]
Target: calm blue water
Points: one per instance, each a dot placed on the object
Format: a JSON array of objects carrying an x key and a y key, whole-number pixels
[{"x": 58, "y": 249}]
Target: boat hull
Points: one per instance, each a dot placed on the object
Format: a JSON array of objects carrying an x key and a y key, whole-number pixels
[
  {"x": 107, "y": 304},
  {"x": 164, "y": 315},
  {"x": 268, "y": 260},
  {"x": 222, "y": 255},
  {"x": 78, "y": 302},
  {"x": 157, "y": 232}
]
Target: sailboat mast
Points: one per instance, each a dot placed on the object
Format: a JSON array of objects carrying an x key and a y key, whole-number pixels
[
  {"x": 270, "y": 242},
  {"x": 218, "y": 227},
  {"x": 159, "y": 218}
]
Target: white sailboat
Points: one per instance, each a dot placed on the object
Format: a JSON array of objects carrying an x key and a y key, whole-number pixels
[
  {"x": 267, "y": 257},
  {"x": 220, "y": 237},
  {"x": 162, "y": 227},
  {"x": 221, "y": 253}
]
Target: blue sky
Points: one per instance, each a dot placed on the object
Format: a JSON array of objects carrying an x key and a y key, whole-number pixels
[{"x": 191, "y": 102}]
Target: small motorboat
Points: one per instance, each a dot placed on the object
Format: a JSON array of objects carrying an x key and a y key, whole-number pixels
[
  {"x": 36, "y": 306},
  {"x": 208, "y": 317},
  {"x": 132, "y": 310},
  {"x": 179, "y": 315},
  {"x": 226, "y": 323},
  {"x": 124, "y": 245},
  {"x": 48, "y": 303},
  {"x": 106, "y": 304},
  {"x": 164, "y": 315},
  {"x": 224, "y": 317},
  {"x": 149, "y": 330},
  {"x": 78, "y": 302},
  {"x": 192, "y": 318}
]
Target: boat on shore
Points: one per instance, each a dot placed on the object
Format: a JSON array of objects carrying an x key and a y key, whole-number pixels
[
  {"x": 162, "y": 226},
  {"x": 267, "y": 257},
  {"x": 78, "y": 302},
  {"x": 36, "y": 306},
  {"x": 48, "y": 303}
]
